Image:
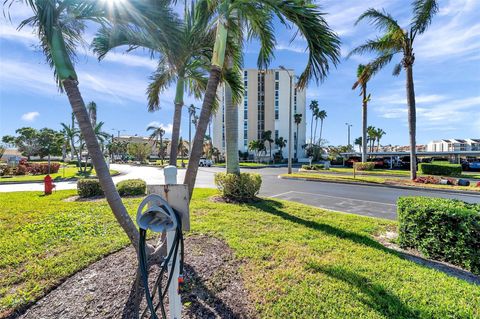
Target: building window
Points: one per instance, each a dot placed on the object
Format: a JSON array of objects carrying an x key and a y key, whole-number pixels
[
  {"x": 261, "y": 105},
  {"x": 277, "y": 88},
  {"x": 276, "y": 76},
  {"x": 295, "y": 101},
  {"x": 276, "y": 134}
]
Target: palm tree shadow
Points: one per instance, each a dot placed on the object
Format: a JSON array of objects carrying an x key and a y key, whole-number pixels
[
  {"x": 274, "y": 208},
  {"x": 374, "y": 295}
]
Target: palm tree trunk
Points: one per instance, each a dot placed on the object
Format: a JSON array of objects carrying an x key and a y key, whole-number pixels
[
  {"x": 412, "y": 121},
  {"x": 321, "y": 129},
  {"x": 231, "y": 133},
  {"x": 296, "y": 146},
  {"x": 315, "y": 132},
  {"x": 103, "y": 174},
  {"x": 177, "y": 118},
  {"x": 364, "y": 123},
  {"x": 311, "y": 131},
  {"x": 209, "y": 99}
]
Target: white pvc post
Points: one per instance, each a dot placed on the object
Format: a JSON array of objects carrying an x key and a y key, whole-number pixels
[{"x": 175, "y": 303}]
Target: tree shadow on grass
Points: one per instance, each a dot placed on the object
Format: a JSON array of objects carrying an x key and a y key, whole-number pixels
[
  {"x": 374, "y": 295},
  {"x": 274, "y": 208}
]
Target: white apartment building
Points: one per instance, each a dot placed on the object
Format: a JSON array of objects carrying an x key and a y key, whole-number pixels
[
  {"x": 264, "y": 107},
  {"x": 454, "y": 145}
]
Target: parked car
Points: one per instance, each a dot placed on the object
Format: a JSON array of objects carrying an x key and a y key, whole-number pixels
[
  {"x": 352, "y": 159},
  {"x": 465, "y": 165},
  {"x": 379, "y": 162},
  {"x": 474, "y": 166},
  {"x": 205, "y": 162}
]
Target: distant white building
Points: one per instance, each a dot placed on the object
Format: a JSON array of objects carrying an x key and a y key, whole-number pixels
[
  {"x": 454, "y": 145},
  {"x": 265, "y": 107}
]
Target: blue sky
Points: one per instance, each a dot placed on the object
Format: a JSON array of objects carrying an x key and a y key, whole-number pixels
[{"x": 446, "y": 73}]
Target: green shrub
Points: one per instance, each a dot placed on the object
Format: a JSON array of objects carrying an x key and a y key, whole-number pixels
[
  {"x": 89, "y": 188},
  {"x": 132, "y": 187},
  {"x": 440, "y": 169},
  {"x": 442, "y": 229},
  {"x": 243, "y": 187},
  {"x": 313, "y": 167},
  {"x": 364, "y": 166}
]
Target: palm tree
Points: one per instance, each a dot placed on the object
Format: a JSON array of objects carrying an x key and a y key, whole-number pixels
[
  {"x": 358, "y": 141},
  {"x": 92, "y": 113},
  {"x": 281, "y": 143},
  {"x": 256, "y": 146},
  {"x": 372, "y": 136},
  {"x": 379, "y": 134},
  {"x": 59, "y": 25},
  {"x": 267, "y": 137},
  {"x": 322, "y": 115},
  {"x": 183, "y": 148},
  {"x": 157, "y": 138},
  {"x": 314, "y": 108},
  {"x": 71, "y": 133},
  {"x": 363, "y": 76},
  {"x": 258, "y": 18},
  {"x": 298, "y": 119},
  {"x": 397, "y": 40},
  {"x": 183, "y": 59}
]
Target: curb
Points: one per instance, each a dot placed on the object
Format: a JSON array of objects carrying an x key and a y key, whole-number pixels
[{"x": 469, "y": 193}]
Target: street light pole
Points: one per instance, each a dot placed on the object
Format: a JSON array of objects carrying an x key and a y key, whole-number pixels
[
  {"x": 348, "y": 126},
  {"x": 290, "y": 138}
]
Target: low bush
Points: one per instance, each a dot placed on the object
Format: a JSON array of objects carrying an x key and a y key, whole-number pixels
[
  {"x": 364, "y": 166},
  {"x": 313, "y": 167},
  {"x": 440, "y": 169},
  {"x": 89, "y": 188},
  {"x": 132, "y": 187},
  {"x": 427, "y": 180},
  {"x": 442, "y": 229},
  {"x": 4, "y": 169},
  {"x": 243, "y": 187}
]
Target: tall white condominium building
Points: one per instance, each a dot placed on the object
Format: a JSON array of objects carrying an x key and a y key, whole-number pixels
[{"x": 265, "y": 107}]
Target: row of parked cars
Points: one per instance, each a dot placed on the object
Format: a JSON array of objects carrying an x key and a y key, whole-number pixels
[{"x": 404, "y": 162}]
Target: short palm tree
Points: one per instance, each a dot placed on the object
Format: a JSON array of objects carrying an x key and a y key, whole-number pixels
[
  {"x": 297, "y": 119},
  {"x": 321, "y": 115},
  {"x": 59, "y": 25},
  {"x": 157, "y": 139},
  {"x": 372, "y": 136},
  {"x": 267, "y": 138},
  {"x": 363, "y": 76},
  {"x": 396, "y": 40},
  {"x": 358, "y": 141},
  {"x": 258, "y": 19},
  {"x": 379, "y": 134}
]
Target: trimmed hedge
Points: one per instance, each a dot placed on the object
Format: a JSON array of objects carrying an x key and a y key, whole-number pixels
[
  {"x": 89, "y": 188},
  {"x": 241, "y": 188},
  {"x": 364, "y": 166},
  {"x": 441, "y": 229},
  {"x": 313, "y": 167},
  {"x": 132, "y": 187},
  {"x": 440, "y": 169}
]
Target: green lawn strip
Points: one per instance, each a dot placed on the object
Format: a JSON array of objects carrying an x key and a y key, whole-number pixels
[
  {"x": 165, "y": 162},
  {"x": 471, "y": 175},
  {"x": 300, "y": 261},
  {"x": 377, "y": 180},
  {"x": 70, "y": 172},
  {"x": 244, "y": 164}
]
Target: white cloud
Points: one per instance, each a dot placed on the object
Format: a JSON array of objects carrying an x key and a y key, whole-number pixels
[
  {"x": 30, "y": 116},
  {"x": 167, "y": 127}
]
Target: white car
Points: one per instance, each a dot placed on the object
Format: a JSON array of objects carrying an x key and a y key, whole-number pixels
[{"x": 205, "y": 162}]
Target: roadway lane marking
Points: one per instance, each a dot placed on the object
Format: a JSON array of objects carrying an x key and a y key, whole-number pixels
[{"x": 337, "y": 197}]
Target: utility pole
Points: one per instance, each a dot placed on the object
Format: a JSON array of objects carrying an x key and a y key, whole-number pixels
[
  {"x": 290, "y": 142},
  {"x": 348, "y": 129}
]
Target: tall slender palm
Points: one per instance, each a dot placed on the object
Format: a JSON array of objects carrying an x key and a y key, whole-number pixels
[
  {"x": 92, "y": 112},
  {"x": 322, "y": 115},
  {"x": 372, "y": 136},
  {"x": 183, "y": 59},
  {"x": 363, "y": 76},
  {"x": 258, "y": 18},
  {"x": 314, "y": 108},
  {"x": 397, "y": 40},
  {"x": 379, "y": 134},
  {"x": 267, "y": 137},
  {"x": 59, "y": 25},
  {"x": 71, "y": 133},
  {"x": 157, "y": 139},
  {"x": 298, "y": 119}
]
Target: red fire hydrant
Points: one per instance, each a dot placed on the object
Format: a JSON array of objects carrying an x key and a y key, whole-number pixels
[{"x": 48, "y": 184}]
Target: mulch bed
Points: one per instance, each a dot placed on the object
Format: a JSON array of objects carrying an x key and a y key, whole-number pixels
[{"x": 214, "y": 287}]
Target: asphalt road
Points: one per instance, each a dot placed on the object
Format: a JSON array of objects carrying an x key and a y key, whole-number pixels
[{"x": 373, "y": 201}]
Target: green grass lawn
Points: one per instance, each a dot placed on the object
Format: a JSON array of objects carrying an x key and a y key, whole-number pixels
[
  {"x": 244, "y": 164},
  {"x": 71, "y": 171},
  {"x": 165, "y": 162},
  {"x": 375, "y": 180},
  {"x": 393, "y": 172},
  {"x": 299, "y": 261}
]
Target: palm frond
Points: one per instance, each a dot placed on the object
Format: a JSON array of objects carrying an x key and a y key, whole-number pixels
[
  {"x": 235, "y": 80},
  {"x": 160, "y": 80},
  {"x": 380, "y": 19},
  {"x": 383, "y": 44},
  {"x": 423, "y": 12},
  {"x": 380, "y": 62},
  {"x": 397, "y": 69}
]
